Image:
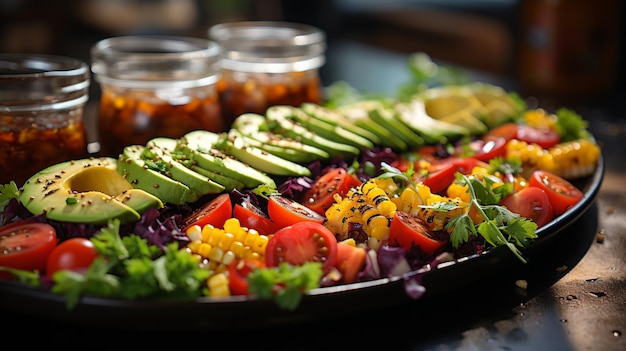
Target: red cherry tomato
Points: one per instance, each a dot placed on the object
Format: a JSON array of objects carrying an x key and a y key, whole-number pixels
[
  {"x": 350, "y": 261},
  {"x": 250, "y": 216},
  {"x": 488, "y": 148},
  {"x": 321, "y": 195},
  {"x": 285, "y": 211},
  {"x": 238, "y": 272},
  {"x": 441, "y": 173},
  {"x": 407, "y": 231},
  {"x": 532, "y": 203},
  {"x": 545, "y": 138},
  {"x": 26, "y": 245},
  {"x": 214, "y": 212},
  {"x": 562, "y": 194},
  {"x": 75, "y": 254},
  {"x": 507, "y": 131},
  {"x": 302, "y": 242}
]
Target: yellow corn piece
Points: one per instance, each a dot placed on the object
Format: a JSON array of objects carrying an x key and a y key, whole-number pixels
[
  {"x": 575, "y": 159},
  {"x": 540, "y": 119},
  {"x": 218, "y": 285},
  {"x": 368, "y": 206},
  {"x": 532, "y": 156},
  {"x": 223, "y": 246}
]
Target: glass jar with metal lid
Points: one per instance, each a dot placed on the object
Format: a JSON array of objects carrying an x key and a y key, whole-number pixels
[
  {"x": 155, "y": 86},
  {"x": 267, "y": 63},
  {"x": 42, "y": 99}
]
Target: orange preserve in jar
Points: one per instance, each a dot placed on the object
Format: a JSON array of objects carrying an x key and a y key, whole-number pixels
[
  {"x": 155, "y": 87},
  {"x": 266, "y": 63},
  {"x": 42, "y": 99}
]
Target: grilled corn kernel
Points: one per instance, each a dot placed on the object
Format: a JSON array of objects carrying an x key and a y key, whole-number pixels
[
  {"x": 532, "y": 156},
  {"x": 223, "y": 246},
  {"x": 575, "y": 159},
  {"x": 218, "y": 285}
]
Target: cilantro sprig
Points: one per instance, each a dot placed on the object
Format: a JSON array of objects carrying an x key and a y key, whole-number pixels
[
  {"x": 286, "y": 283},
  {"x": 499, "y": 227}
]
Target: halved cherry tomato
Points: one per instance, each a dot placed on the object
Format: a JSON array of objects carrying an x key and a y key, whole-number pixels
[
  {"x": 321, "y": 195},
  {"x": 545, "y": 138},
  {"x": 302, "y": 242},
  {"x": 285, "y": 211},
  {"x": 406, "y": 230},
  {"x": 250, "y": 216},
  {"x": 507, "y": 131},
  {"x": 238, "y": 272},
  {"x": 74, "y": 254},
  {"x": 488, "y": 148},
  {"x": 26, "y": 245},
  {"x": 350, "y": 261},
  {"x": 214, "y": 212},
  {"x": 562, "y": 194},
  {"x": 532, "y": 203},
  {"x": 441, "y": 173}
]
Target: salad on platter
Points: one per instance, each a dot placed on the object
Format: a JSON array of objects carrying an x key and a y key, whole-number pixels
[{"x": 354, "y": 190}]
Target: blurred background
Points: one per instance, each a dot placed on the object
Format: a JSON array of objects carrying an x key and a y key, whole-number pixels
[{"x": 567, "y": 51}]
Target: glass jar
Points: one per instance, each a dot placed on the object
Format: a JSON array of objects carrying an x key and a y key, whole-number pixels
[
  {"x": 42, "y": 99},
  {"x": 154, "y": 86},
  {"x": 267, "y": 63}
]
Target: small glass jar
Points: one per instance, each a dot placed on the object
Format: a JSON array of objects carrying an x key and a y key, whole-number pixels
[
  {"x": 154, "y": 86},
  {"x": 42, "y": 100},
  {"x": 267, "y": 63}
]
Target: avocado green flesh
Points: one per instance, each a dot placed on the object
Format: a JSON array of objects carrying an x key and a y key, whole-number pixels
[
  {"x": 239, "y": 147},
  {"x": 359, "y": 115},
  {"x": 254, "y": 126},
  {"x": 335, "y": 118},
  {"x": 177, "y": 171},
  {"x": 85, "y": 191},
  {"x": 140, "y": 176},
  {"x": 198, "y": 146},
  {"x": 228, "y": 183},
  {"x": 329, "y": 131},
  {"x": 434, "y": 131},
  {"x": 294, "y": 130},
  {"x": 393, "y": 124}
]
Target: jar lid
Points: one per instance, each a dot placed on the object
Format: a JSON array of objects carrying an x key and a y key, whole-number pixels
[
  {"x": 37, "y": 82},
  {"x": 155, "y": 62},
  {"x": 269, "y": 46}
]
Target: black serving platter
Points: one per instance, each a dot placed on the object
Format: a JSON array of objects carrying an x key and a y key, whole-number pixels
[{"x": 453, "y": 285}]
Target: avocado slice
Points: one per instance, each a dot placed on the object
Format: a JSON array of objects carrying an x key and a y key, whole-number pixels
[
  {"x": 500, "y": 107},
  {"x": 359, "y": 113},
  {"x": 254, "y": 126},
  {"x": 455, "y": 105},
  {"x": 229, "y": 183},
  {"x": 159, "y": 151},
  {"x": 413, "y": 114},
  {"x": 387, "y": 118},
  {"x": 85, "y": 191},
  {"x": 143, "y": 175},
  {"x": 242, "y": 148},
  {"x": 280, "y": 124},
  {"x": 326, "y": 130},
  {"x": 198, "y": 146},
  {"x": 335, "y": 118},
  {"x": 288, "y": 154}
]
